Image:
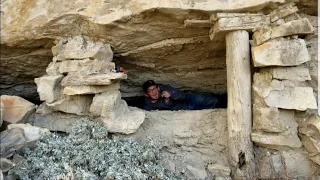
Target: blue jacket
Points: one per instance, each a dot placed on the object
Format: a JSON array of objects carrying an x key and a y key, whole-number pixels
[{"x": 177, "y": 101}]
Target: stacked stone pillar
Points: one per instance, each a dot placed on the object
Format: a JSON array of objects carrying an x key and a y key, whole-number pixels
[
  {"x": 281, "y": 90},
  {"x": 82, "y": 80}
]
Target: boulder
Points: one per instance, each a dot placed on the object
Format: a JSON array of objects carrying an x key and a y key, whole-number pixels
[
  {"x": 100, "y": 79},
  {"x": 281, "y": 52},
  {"x": 296, "y": 27},
  {"x": 56, "y": 121},
  {"x": 15, "y": 109},
  {"x": 80, "y": 47},
  {"x": 121, "y": 119},
  {"x": 49, "y": 88},
  {"x": 11, "y": 140},
  {"x": 105, "y": 102},
  {"x": 219, "y": 170},
  {"x": 77, "y": 90},
  {"x": 5, "y": 165},
  {"x": 31, "y": 133},
  {"x": 275, "y": 141},
  {"x": 79, "y": 104},
  {"x": 86, "y": 66},
  {"x": 299, "y": 73}
]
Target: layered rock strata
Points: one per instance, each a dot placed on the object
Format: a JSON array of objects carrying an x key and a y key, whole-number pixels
[{"x": 82, "y": 80}]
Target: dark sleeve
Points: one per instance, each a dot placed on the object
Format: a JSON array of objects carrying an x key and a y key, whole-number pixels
[
  {"x": 147, "y": 105},
  {"x": 176, "y": 94}
]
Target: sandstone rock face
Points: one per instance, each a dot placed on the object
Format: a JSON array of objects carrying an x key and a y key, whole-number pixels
[
  {"x": 280, "y": 53},
  {"x": 187, "y": 137},
  {"x": 15, "y": 109}
]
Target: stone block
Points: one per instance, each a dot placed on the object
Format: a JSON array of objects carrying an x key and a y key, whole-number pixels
[
  {"x": 31, "y": 133},
  {"x": 5, "y": 165},
  {"x": 219, "y": 170},
  {"x": 297, "y": 98},
  {"x": 271, "y": 166},
  {"x": 43, "y": 109},
  {"x": 280, "y": 53},
  {"x": 100, "y": 79},
  {"x": 275, "y": 141},
  {"x": 312, "y": 145},
  {"x": 77, "y": 90},
  {"x": 15, "y": 109},
  {"x": 315, "y": 157},
  {"x": 195, "y": 173},
  {"x": 106, "y": 101},
  {"x": 86, "y": 67},
  {"x": 79, "y": 105},
  {"x": 270, "y": 119},
  {"x": 299, "y": 73},
  {"x": 296, "y": 27},
  {"x": 122, "y": 119},
  {"x": 80, "y": 47},
  {"x": 283, "y": 11},
  {"x": 297, "y": 164},
  {"x": 11, "y": 140},
  {"x": 56, "y": 121},
  {"x": 311, "y": 127},
  {"x": 49, "y": 88}
]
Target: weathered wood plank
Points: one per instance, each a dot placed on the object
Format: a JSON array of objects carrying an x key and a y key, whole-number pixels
[{"x": 239, "y": 103}]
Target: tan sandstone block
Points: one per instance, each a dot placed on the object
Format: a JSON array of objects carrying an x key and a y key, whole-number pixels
[
  {"x": 99, "y": 79},
  {"x": 280, "y": 53},
  {"x": 311, "y": 127},
  {"x": 299, "y": 73},
  {"x": 53, "y": 69},
  {"x": 80, "y": 48},
  {"x": 73, "y": 104},
  {"x": 311, "y": 144},
  {"x": 77, "y": 90},
  {"x": 270, "y": 119},
  {"x": 15, "y": 109},
  {"x": 86, "y": 67},
  {"x": 275, "y": 141},
  {"x": 296, "y": 27},
  {"x": 49, "y": 88},
  {"x": 105, "y": 102},
  {"x": 283, "y": 11}
]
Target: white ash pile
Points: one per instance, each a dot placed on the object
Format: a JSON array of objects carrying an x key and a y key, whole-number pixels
[{"x": 82, "y": 80}]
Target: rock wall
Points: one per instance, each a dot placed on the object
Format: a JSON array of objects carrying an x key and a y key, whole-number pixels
[{"x": 284, "y": 97}]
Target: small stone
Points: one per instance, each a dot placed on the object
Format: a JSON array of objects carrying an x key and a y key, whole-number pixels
[
  {"x": 15, "y": 109},
  {"x": 280, "y": 53},
  {"x": 11, "y": 140},
  {"x": 43, "y": 109},
  {"x": 31, "y": 133},
  {"x": 5, "y": 165},
  {"x": 49, "y": 88}
]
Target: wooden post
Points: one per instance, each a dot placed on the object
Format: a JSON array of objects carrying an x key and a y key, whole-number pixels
[{"x": 239, "y": 103}]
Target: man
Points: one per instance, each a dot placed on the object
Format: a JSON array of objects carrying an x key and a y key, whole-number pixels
[{"x": 164, "y": 97}]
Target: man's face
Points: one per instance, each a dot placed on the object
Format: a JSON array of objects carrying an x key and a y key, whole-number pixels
[{"x": 153, "y": 92}]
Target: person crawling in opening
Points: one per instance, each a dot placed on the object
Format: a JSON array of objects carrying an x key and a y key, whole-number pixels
[{"x": 164, "y": 97}]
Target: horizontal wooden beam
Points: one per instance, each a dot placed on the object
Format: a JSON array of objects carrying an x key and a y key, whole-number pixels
[{"x": 238, "y": 21}]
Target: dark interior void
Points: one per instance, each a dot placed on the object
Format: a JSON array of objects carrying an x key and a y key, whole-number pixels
[{"x": 138, "y": 101}]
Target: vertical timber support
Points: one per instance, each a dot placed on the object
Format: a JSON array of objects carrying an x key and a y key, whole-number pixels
[{"x": 239, "y": 104}]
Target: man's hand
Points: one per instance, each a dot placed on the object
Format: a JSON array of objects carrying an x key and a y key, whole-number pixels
[{"x": 165, "y": 94}]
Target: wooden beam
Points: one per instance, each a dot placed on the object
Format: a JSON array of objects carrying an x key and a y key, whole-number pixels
[
  {"x": 197, "y": 23},
  {"x": 239, "y": 103},
  {"x": 248, "y": 22}
]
